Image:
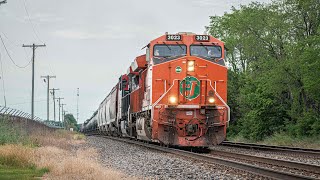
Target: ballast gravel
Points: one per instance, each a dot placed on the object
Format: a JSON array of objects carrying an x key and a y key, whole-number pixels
[
  {"x": 141, "y": 162},
  {"x": 268, "y": 154}
]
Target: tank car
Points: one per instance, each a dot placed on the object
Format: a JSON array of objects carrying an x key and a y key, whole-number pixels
[
  {"x": 175, "y": 94},
  {"x": 90, "y": 126}
]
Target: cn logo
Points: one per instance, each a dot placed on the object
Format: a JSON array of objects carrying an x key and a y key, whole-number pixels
[{"x": 190, "y": 87}]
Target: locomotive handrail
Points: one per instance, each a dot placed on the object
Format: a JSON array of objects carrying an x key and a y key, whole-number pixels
[
  {"x": 219, "y": 97},
  {"x": 160, "y": 98}
]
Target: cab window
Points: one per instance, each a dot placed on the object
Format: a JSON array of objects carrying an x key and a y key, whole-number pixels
[
  {"x": 166, "y": 50},
  {"x": 206, "y": 51}
]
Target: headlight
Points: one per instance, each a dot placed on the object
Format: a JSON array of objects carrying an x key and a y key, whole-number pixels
[
  {"x": 211, "y": 100},
  {"x": 172, "y": 100},
  {"x": 190, "y": 66}
]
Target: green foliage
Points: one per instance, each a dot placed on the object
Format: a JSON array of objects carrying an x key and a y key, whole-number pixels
[
  {"x": 71, "y": 122},
  {"x": 11, "y": 134},
  {"x": 282, "y": 139},
  {"x": 274, "y": 68},
  {"x": 285, "y": 139},
  {"x": 15, "y": 151}
]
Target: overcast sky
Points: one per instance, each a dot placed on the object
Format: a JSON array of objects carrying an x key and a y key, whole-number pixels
[{"x": 90, "y": 43}]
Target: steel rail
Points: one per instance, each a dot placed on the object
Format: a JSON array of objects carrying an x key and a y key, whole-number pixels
[
  {"x": 276, "y": 162},
  {"x": 265, "y": 172},
  {"x": 283, "y": 149}
]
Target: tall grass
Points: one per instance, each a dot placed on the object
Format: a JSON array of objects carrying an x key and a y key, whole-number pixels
[
  {"x": 82, "y": 164},
  {"x": 16, "y": 162},
  {"x": 15, "y": 155},
  {"x": 57, "y": 152},
  {"x": 10, "y": 134},
  {"x": 59, "y": 138}
]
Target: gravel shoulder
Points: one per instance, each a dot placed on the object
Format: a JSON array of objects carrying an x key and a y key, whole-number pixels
[{"x": 140, "y": 162}]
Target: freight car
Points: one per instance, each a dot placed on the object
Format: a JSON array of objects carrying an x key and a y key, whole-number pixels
[
  {"x": 90, "y": 125},
  {"x": 175, "y": 94}
]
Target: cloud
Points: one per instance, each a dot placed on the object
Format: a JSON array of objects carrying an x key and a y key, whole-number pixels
[
  {"x": 41, "y": 18},
  {"x": 74, "y": 34},
  {"x": 84, "y": 34},
  {"x": 225, "y": 4},
  {"x": 205, "y": 2},
  {"x": 105, "y": 32}
]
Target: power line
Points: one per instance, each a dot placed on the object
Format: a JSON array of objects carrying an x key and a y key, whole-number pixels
[
  {"x": 11, "y": 57},
  {"x": 32, "y": 25},
  {"x": 4, "y": 89},
  {"x": 12, "y": 42},
  {"x": 34, "y": 30}
]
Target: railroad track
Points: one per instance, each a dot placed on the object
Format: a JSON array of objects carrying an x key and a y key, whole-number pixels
[
  {"x": 282, "y": 149},
  {"x": 295, "y": 167},
  {"x": 256, "y": 170}
]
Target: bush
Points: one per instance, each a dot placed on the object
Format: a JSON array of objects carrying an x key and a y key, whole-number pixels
[
  {"x": 308, "y": 125},
  {"x": 285, "y": 139}
]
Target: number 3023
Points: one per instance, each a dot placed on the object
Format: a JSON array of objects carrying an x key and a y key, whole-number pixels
[
  {"x": 202, "y": 38},
  {"x": 173, "y": 37}
]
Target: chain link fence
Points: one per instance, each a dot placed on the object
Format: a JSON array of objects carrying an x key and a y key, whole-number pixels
[{"x": 24, "y": 119}]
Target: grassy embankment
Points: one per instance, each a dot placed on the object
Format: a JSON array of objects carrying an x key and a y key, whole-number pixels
[
  {"x": 50, "y": 155},
  {"x": 282, "y": 139},
  {"x": 15, "y": 150}
]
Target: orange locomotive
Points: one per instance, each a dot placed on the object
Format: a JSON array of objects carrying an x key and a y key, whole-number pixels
[{"x": 175, "y": 94}]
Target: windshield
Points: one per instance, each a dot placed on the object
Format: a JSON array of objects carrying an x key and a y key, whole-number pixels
[
  {"x": 206, "y": 51},
  {"x": 166, "y": 50}
]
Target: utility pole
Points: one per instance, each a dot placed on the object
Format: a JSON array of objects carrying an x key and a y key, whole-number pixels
[
  {"x": 77, "y": 105},
  {"x": 54, "y": 102},
  {"x": 64, "y": 114},
  {"x": 3, "y": 2},
  {"x": 48, "y": 89},
  {"x": 59, "y": 99},
  {"x": 33, "y": 46},
  {"x": 62, "y": 119}
]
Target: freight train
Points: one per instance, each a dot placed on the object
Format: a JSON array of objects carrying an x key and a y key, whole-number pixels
[{"x": 174, "y": 94}]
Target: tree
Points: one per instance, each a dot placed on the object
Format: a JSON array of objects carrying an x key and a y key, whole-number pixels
[
  {"x": 70, "y": 122},
  {"x": 274, "y": 68}
]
